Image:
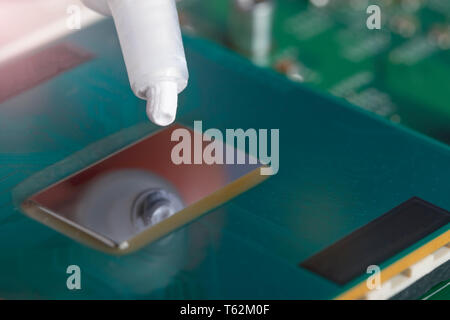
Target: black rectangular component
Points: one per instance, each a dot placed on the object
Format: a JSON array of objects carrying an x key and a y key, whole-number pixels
[
  {"x": 26, "y": 72},
  {"x": 377, "y": 241}
]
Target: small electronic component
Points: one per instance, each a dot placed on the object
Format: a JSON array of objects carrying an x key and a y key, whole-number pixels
[
  {"x": 404, "y": 25},
  {"x": 440, "y": 34},
  {"x": 250, "y": 26}
]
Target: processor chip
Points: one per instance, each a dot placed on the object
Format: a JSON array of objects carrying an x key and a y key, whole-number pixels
[{"x": 138, "y": 194}]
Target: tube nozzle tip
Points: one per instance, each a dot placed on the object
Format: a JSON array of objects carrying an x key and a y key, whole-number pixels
[{"x": 162, "y": 102}]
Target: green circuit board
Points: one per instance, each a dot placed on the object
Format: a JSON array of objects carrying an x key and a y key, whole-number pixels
[
  {"x": 399, "y": 72},
  {"x": 341, "y": 167}
]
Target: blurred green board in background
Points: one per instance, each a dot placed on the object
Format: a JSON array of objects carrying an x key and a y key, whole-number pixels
[{"x": 401, "y": 72}]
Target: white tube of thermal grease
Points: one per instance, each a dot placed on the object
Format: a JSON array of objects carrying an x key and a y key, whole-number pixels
[{"x": 150, "y": 38}]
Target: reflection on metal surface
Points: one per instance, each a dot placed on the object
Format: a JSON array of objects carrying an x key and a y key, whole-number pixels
[
  {"x": 137, "y": 195},
  {"x": 117, "y": 204},
  {"x": 153, "y": 206}
]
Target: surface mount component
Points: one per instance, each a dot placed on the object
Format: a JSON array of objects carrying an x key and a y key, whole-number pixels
[
  {"x": 250, "y": 25},
  {"x": 381, "y": 239}
]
